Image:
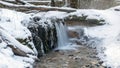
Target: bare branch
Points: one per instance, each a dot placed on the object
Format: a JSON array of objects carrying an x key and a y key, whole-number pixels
[
  {"x": 32, "y": 7},
  {"x": 19, "y": 2},
  {"x": 22, "y": 2}
]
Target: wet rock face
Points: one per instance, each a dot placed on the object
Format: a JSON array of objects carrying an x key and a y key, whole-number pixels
[
  {"x": 73, "y": 34},
  {"x": 44, "y": 34}
]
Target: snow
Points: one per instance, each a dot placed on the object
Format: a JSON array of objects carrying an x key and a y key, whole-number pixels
[
  {"x": 39, "y": 6},
  {"x": 90, "y": 13},
  {"x": 10, "y": 30},
  {"x": 109, "y": 33},
  {"x": 56, "y": 14},
  {"x": 109, "y": 46},
  {"x": 12, "y": 62},
  {"x": 10, "y": 18},
  {"x": 9, "y": 60},
  {"x": 15, "y": 43},
  {"x": 11, "y": 24}
]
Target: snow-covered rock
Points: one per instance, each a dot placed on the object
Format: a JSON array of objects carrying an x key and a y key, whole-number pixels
[
  {"x": 13, "y": 52},
  {"x": 26, "y": 36},
  {"x": 43, "y": 32}
]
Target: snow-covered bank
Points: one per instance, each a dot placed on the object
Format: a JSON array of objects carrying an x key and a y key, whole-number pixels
[
  {"x": 109, "y": 34},
  {"x": 10, "y": 30}
]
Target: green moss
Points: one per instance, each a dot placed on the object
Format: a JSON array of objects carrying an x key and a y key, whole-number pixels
[
  {"x": 30, "y": 46},
  {"x": 1, "y": 6},
  {"x": 76, "y": 18},
  {"x": 25, "y": 42}
]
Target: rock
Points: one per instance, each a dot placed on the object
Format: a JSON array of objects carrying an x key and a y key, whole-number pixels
[
  {"x": 83, "y": 20},
  {"x": 17, "y": 51},
  {"x": 43, "y": 33},
  {"x": 71, "y": 55},
  {"x": 36, "y": 18},
  {"x": 26, "y": 42},
  {"x": 95, "y": 21},
  {"x": 73, "y": 34},
  {"x": 101, "y": 62},
  {"x": 87, "y": 65},
  {"x": 0, "y": 40},
  {"x": 76, "y": 18},
  {"x": 16, "y": 46},
  {"x": 117, "y": 9}
]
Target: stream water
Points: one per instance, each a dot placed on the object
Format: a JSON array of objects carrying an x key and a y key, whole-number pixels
[{"x": 61, "y": 34}]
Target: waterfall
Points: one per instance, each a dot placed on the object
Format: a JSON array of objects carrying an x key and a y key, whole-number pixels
[
  {"x": 61, "y": 34},
  {"x": 66, "y": 3}
]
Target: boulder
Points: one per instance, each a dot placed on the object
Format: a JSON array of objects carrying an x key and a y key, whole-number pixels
[
  {"x": 17, "y": 51},
  {"x": 43, "y": 33},
  {"x": 73, "y": 34}
]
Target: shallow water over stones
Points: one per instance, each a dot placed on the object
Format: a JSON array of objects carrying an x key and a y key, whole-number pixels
[{"x": 83, "y": 57}]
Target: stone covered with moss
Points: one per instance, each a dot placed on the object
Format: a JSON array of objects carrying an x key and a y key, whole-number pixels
[
  {"x": 83, "y": 18},
  {"x": 27, "y": 41}
]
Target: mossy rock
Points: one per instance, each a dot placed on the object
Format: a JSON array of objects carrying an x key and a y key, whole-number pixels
[
  {"x": 26, "y": 42},
  {"x": 83, "y": 19},
  {"x": 2, "y": 6},
  {"x": 44, "y": 36},
  {"x": 76, "y": 18},
  {"x": 95, "y": 21}
]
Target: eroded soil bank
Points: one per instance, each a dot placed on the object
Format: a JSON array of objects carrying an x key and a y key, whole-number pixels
[{"x": 83, "y": 57}]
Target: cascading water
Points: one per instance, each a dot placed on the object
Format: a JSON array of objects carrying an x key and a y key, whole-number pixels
[
  {"x": 66, "y": 3},
  {"x": 61, "y": 34}
]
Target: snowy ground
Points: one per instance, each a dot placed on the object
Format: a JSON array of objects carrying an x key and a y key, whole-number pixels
[
  {"x": 109, "y": 47},
  {"x": 110, "y": 35},
  {"x": 11, "y": 28}
]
